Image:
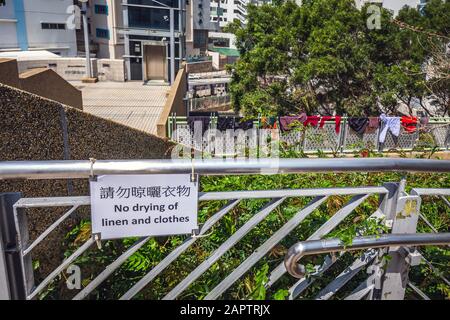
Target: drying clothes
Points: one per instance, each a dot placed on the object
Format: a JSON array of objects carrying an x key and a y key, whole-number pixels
[
  {"x": 337, "y": 120},
  {"x": 359, "y": 125},
  {"x": 424, "y": 121},
  {"x": 373, "y": 125},
  {"x": 288, "y": 123},
  {"x": 269, "y": 123},
  {"x": 312, "y": 120},
  {"x": 196, "y": 121},
  {"x": 244, "y": 125},
  {"x": 225, "y": 123},
  {"x": 391, "y": 124},
  {"x": 409, "y": 124}
]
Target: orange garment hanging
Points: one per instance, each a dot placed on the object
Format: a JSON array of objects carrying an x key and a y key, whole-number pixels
[{"x": 409, "y": 124}]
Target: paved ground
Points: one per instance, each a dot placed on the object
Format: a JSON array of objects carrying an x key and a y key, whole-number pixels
[{"x": 130, "y": 103}]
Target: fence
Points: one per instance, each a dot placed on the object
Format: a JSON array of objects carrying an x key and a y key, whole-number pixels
[
  {"x": 208, "y": 103},
  {"x": 436, "y": 134},
  {"x": 397, "y": 210}
]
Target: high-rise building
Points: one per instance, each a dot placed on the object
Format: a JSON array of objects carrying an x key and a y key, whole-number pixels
[
  {"x": 38, "y": 25},
  {"x": 105, "y": 18},
  {"x": 198, "y": 24},
  {"x": 154, "y": 38},
  {"x": 226, "y": 11}
]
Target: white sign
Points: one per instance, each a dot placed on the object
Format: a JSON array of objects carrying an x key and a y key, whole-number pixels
[{"x": 143, "y": 205}]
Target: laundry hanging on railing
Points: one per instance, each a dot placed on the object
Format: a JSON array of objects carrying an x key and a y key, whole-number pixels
[
  {"x": 409, "y": 124},
  {"x": 391, "y": 124},
  {"x": 424, "y": 121},
  {"x": 373, "y": 125},
  {"x": 269, "y": 123},
  {"x": 288, "y": 123},
  {"x": 359, "y": 125},
  {"x": 337, "y": 120},
  {"x": 225, "y": 123},
  {"x": 205, "y": 121},
  {"x": 241, "y": 124},
  {"x": 312, "y": 120}
]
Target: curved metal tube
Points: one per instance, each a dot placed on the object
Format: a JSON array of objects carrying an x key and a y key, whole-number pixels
[
  {"x": 73, "y": 169},
  {"x": 305, "y": 248}
]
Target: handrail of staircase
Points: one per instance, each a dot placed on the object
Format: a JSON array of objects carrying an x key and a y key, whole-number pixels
[
  {"x": 305, "y": 248},
  {"x": 74, "y": 169}
]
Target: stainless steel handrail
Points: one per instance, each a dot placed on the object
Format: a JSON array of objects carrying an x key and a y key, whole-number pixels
[
  {"x": 72, "y": 169},
  {"x": 305, "y": 248}
]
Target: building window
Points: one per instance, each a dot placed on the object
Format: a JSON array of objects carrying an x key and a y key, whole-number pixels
[
  {"x": 53, "y": 26},
  {"x": 101, "y": 9},
  {"x": 102, "y": 33}
]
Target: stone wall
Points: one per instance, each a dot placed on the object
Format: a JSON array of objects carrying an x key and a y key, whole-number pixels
[
  {"x": 47, "y": 83},
  {"x": 9, "y": 74},
  {"x": 31, "y": 128},
  {"x": 43, "y": 82}
]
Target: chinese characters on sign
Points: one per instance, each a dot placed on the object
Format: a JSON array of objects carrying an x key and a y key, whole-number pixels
[{"x": 143, "y": 205}]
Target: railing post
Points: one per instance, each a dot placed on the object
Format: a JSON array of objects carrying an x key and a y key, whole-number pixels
[
  {"x": 11, "y": 276},
  {"x": 405, "y": 220}
]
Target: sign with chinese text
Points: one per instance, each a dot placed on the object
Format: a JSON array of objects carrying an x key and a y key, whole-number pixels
[{"x": 143, "y": 205}]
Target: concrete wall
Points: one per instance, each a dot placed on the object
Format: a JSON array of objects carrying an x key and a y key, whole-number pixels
[
  {"x": 175, "y": 102},
  {"x": 47, "y": 83},
  {"x": 73, "y": 69},
  {"x": 40, "y": 81},
  {"x": 111, "y": 70},
  {"x": 197, "y": 67},
  {"x": 31, "y": 128}
]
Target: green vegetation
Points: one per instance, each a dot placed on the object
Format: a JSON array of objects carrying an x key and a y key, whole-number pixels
[
  {"x": 252, "y": 284},
  {"x": 322, "y": 56}
]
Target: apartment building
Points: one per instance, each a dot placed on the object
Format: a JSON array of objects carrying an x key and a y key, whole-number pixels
[
  {"x": 226, "y": 11},
  {"x": 198, "y": 25},
  {"x": 154, "y": 38},
  {"x": 105, "y": 18},
  {"x": 38, "y": 25}
]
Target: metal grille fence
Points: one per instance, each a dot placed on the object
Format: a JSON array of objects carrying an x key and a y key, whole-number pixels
[
  {"x": 397, "y": 210},
  {"x": 435, "y": 135}
]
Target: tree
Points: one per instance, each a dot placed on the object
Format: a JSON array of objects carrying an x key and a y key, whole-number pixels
[{"x": 321, "y": 57}]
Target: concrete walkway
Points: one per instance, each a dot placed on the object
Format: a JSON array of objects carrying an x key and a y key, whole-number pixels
[{"x": 130, "y": 103}]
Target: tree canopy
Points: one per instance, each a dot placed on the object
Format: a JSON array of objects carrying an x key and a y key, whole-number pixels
[{"x": 323, "y": 57}]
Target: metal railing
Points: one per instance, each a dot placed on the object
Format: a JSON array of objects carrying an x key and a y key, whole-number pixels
[
  {"x": 436, "y": 134},
  {"x": 396, "y": 209},
  {"x": 305, "y": 248}
]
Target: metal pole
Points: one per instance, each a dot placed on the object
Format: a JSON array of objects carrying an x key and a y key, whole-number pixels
[
  {"x": 80, "y": 169},
  {"x": 172, "y": 45},
  {"x": 301, "y": 249},
  {"x": 86, "y": 40},
  {"x": 11, "y": 277}
]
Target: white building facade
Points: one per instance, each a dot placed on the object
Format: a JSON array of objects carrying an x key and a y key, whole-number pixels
[
  {"x": 226, "y": 11},
  {"x": 38, "y": 25}
]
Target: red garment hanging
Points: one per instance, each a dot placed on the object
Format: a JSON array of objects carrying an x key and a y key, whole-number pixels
[
  {"x": 312, "y": 120},
  {"x": 337, "y": 120},
  {"x": 409, "y": 124}
]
